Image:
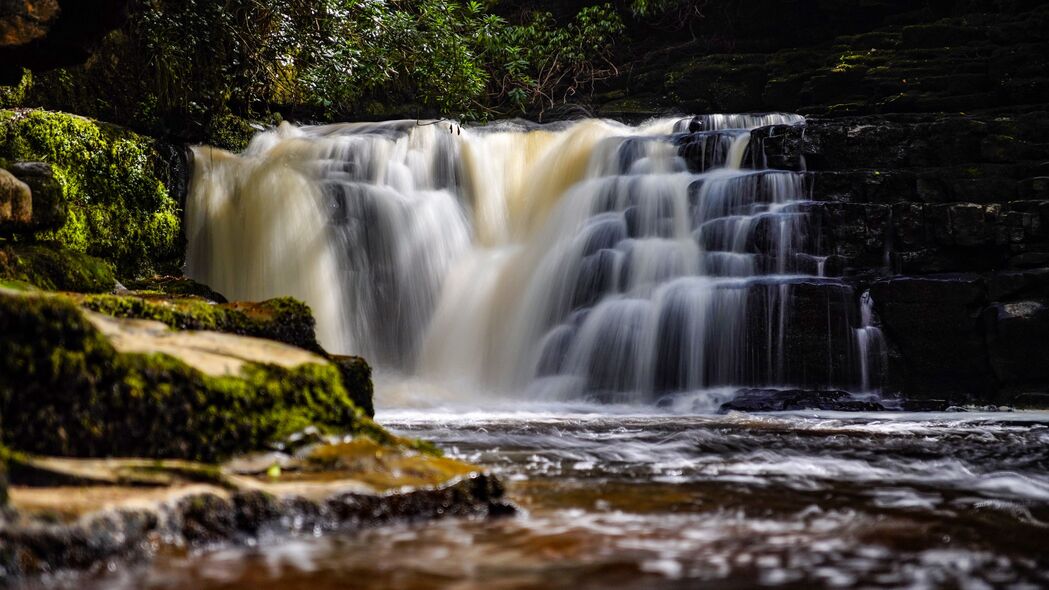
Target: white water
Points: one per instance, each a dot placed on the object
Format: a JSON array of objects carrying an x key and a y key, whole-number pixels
[{"x": 581, "y": 260}]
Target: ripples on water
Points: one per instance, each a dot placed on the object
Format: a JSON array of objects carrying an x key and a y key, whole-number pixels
[{"x": 624, "y": 500}]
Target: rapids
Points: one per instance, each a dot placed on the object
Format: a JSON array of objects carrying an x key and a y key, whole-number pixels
[
  {"x": 585, "y": 260},
  {"x": 618, "y": 497}
]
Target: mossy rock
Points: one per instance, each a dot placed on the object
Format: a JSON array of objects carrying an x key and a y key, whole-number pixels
[
  {"x": 76, "y": 387},
  {"x": 177, "y": 286},
  {"x": 283, "y": 319},
  {"x": 51, "y": 267},
  {"x": 113, "y": 184},
  {"x": 357, "y": 378}
]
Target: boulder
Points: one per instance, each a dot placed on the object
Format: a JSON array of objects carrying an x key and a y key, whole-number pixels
[
  {"x": 91, "y": 385},
  {"x": 49, "y": 206},
  {"x": 16, "y": 203}
]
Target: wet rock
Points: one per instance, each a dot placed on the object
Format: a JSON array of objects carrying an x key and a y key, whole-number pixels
[
  {"x": 357, "y": 379},
  {"x": 934, "y": 323},
  {"x": 789, "y": 400},
  {"x": 358, "y": 484},
  {"x": 813, "y": 332},
  {"x": 1018, "y": 342}
]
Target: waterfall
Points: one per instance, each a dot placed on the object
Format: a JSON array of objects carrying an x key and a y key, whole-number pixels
[{"x": 585, "y": 259}]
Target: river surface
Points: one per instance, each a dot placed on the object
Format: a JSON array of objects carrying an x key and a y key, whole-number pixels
[{"x": 618, "y": 498}]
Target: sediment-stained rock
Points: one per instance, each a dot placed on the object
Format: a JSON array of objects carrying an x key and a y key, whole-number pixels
[{"x": 69, "y": 514}]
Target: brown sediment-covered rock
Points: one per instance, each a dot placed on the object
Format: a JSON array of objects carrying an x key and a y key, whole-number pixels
[{"x": 70, "y": 514}]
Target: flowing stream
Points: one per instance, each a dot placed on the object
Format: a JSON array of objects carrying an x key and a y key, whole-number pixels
[
  {"x": 586, "y": 260},
  {"x": 569, "y": 305},
  {"x": 618, "y": 497}
]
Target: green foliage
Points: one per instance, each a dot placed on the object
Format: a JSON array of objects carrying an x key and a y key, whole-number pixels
[
  {"x": 188, "y": 66},
  {"x": 118, "y": 208},
  {"x": 12, "y": 96}
]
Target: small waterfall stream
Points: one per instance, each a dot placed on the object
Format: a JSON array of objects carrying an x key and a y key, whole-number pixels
[{"x": 580, "y": 260}]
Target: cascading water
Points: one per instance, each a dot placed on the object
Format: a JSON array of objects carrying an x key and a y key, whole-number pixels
[{"x": 584, "y": 259}]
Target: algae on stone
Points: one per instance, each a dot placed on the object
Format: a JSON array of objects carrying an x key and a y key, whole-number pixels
[
  {"x": 51, "y": 267},
  {"x": 118, "y": 206},
  {"x": 283, "y": 319},
  {"x": 65, "y": 390}
]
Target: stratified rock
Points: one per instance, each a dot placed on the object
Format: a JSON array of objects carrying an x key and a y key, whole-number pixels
[
  {"x": 935, "y": 325},
  {"x": 72, "y": 514},
  {"x": 16, "y": 202},
  {"x": 282, "y": 319},
  {"x": 789, "y": 400},
  {"x": 90, "y": 385},
  {"x": 1018, "y": 343},
  {"x": 175, "y": 286}
]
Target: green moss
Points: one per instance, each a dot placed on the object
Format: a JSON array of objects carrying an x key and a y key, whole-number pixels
[
  {"x": 283, "y": 319},
  {"x": 12, "y": 96},
  {"x": 176, "y": 286},
  {"x": 67, "y": 391},
  {"x": 51, "y": 267},
  {"x": 230, "y": 132},
  {"x": 119, "y": 209}
]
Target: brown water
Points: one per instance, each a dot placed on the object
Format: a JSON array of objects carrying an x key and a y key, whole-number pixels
[{"x": 625, "y": 500}]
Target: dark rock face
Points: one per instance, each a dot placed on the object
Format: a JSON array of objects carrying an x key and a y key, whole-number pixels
[
  {"x": 945, "y": 217},
  {"x": 837, "y": 57},
  {"x": 776, "y": 400},
  {"x": 935, "y": 324},
  {"x": 44, "y": 34}
]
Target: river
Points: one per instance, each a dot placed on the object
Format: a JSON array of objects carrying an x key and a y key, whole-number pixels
[{"x": 622, "y": 497}]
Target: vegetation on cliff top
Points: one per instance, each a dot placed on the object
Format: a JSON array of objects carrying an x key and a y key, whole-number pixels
[{"x": 193, "y": 68}]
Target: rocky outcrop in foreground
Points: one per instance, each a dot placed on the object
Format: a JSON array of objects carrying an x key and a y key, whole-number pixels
[
  {"x": 66, "y": 514},
  {"x": 238, "y": 422}
]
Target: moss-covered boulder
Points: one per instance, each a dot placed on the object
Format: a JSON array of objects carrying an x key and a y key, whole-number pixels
[
  {"x": 112, "y": 180},
  {"x": 176, "y": 286},
  {"x": 283, "y": 319},
  {"x": 77, "y": 383},
  {"x": 51, "y": 267}
]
